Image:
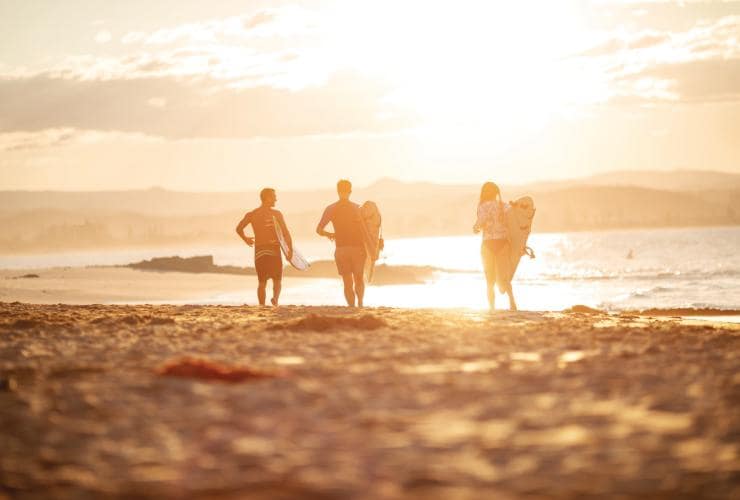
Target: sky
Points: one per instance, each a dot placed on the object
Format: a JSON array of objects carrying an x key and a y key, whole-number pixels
[{"x": 234, "y": 95}]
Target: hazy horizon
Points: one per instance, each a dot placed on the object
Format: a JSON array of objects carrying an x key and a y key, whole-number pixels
[
  {"x": 598, "y": 179},
  {"x": 53, "y": 221},
  {"x": 223, "y": 96}
]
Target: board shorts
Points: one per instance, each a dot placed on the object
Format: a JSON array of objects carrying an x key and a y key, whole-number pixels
[
  {"x": 268, "y": 262},
  {"x": 489, "y": 252},
  {"x": 350, "y": 260}
]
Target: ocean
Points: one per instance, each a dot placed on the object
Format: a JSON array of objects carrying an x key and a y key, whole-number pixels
[{"x": 613, "y": 270}]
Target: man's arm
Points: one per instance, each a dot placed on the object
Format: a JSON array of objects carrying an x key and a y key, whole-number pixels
[
  {"x": 323, "y": 222},
  {"x": 246, "y": 220},
  {"x": 286, "y": 233}
]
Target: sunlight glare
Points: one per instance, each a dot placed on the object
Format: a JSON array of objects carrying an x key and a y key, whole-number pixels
[{"x": 480, "y": 64}]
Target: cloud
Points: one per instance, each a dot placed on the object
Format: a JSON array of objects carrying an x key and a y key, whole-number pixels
[
  {"x": 260, "y": 18},
  {"x": 650, "y": 67},
  {"x": 237, "y": 65},
  {"x": 693, "y": 81},
  {"x": 284, "y": 21},
  {"x": 61, "y": 137},
  {"x": 178, "y": 108},
  {"x": 629, "y": 42}
]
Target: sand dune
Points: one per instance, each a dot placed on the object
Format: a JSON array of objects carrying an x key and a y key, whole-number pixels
[{"x": 381, "y": 403}]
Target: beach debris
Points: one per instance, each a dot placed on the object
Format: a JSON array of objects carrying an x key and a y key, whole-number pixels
[
  {"x": 205, "y": 369},
  {"x": 25, "y": 276},
  {"x": 580, "y": 308},
  {"x": 321, "y": 323}
]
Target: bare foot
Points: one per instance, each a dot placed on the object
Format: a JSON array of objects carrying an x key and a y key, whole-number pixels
[{"x": 274, "y": 301}]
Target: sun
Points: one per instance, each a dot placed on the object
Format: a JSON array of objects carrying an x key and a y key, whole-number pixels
[{"x": 487, "y": 66}]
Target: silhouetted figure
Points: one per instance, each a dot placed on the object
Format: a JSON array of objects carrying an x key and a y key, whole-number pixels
[
  {"x": 495, "y": 246},
  {"x": 348, "y": 236},
  {"x": 268, "y": 260},
  {"x": 631, "y": 254}
]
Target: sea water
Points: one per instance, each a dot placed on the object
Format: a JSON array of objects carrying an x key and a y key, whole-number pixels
[{"x": 613, "y": 270}]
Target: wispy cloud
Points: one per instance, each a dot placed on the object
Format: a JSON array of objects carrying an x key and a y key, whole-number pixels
[
  {"x": 66, "y": 136},
  {"x": 182, "y": 108},
  {"x": 681, "y": 66},
  {"x": 275, "y": 22}
]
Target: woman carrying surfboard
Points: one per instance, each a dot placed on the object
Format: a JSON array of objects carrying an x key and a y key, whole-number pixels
[{"x": 495, "y": 246}]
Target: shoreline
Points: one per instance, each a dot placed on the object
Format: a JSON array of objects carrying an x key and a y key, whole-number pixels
[{"x": 122, "y": 285}]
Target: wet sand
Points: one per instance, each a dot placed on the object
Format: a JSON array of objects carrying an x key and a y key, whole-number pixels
[
  {"x": 89, "y": 285},
  {"x": 379, "y": 403}
]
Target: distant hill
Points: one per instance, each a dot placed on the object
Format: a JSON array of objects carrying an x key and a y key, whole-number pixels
[
  {"x": 162, "y": 202},
  {"x": 676, "y": 180},
  {"x": 46, "y": 221}
]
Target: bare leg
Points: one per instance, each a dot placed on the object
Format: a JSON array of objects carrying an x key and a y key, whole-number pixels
[
  {"x": 512, "y": 302},
  {"x": 491, "y": 293},
  {"x": 261, "y": 292},
  {"x": 349, "y": 292},
  {"x": 359, "y": 288},
  {"x": 277, "y": 285}
]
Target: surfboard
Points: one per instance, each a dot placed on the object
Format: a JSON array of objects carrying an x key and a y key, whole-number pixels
[
  {"x": 297, "y": 260},
  {"x": 518, "y": 217},
  {"x": 371, "y": 223}
]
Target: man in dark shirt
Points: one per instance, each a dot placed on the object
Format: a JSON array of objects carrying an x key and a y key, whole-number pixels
[
  {"x": 268, "y": 260},
  {"x": 349, "y": 237}
]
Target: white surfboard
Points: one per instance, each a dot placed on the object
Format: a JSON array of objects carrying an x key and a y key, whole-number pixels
[
  {"x": 371, "y": 223},
  {"x": 297, "y": 260},
  {"x": 518, "y": 216}
]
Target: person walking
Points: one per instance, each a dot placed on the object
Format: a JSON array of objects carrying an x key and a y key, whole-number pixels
[
  {"x": 349, "y": 238},
  {"x": 495, "y": 246},
  {"x": 268, "y": 260}
]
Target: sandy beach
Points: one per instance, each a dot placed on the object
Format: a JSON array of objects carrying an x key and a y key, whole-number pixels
[
  {"x": 86, "y": 285},
  {"x": 375, "y": 403}
]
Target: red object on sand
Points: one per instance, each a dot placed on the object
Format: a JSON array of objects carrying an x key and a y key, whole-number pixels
[{"x": 210, "y": 370}]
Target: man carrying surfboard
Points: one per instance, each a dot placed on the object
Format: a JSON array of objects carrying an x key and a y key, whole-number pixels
[
  {"x": 268, "y": 260},
  {"x": 349, "y": 237}
]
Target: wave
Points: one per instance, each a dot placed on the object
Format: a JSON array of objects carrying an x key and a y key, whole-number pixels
[
  {"x": 651, "y": 292},
  {"x": 684, "y": 311},
  {"x": 663, "y": 275}
]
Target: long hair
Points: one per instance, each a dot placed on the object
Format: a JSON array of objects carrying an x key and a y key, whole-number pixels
[{"x": 489, "y": 192}]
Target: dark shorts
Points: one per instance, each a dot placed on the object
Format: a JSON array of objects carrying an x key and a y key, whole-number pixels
[
  {"x": 268, "y": 262},
  {"x": 350, "y": 260},
  {"x": 489, "y": 250}
]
